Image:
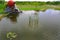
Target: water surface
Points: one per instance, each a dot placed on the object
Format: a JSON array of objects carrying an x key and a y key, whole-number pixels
[{"x": 32, "y": 25}]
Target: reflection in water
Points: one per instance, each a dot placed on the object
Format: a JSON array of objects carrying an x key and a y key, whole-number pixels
[
  {"x": 33, "y": 20},
  {"x": 2, "y": 16},
  {"x": 31, "y": 25},
  {"x": 13, "y": 17}
]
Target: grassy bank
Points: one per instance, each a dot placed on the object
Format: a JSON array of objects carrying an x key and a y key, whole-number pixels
[
  {"x": 1, "y": 7},
  {"x": 32, "y": 6},
  {"x": 36, "y": 7}
]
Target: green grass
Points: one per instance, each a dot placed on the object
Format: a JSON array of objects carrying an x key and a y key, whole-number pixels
[
  {"x": 2, "y": 7},
  {"x": 38, "y": 7},
  {"x": 31, "y": 7}
]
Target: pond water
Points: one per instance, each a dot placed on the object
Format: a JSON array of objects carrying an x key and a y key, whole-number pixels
[{"x": 32, "y": 25}]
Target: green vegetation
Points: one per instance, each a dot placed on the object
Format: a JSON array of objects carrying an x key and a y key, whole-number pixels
[
  {"x": 2, "y": 6},
  {"x": 11, "y": 35},
  {"x": 33, "y": 5},
  {"x": 41, "y": 7},
  {"x": 38, "y": 5}
]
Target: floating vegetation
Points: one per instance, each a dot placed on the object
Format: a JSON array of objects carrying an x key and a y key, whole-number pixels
[{"x": 11, "y": 35}]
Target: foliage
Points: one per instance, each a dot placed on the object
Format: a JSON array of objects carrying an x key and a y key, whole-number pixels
[
  {"x": 39, "y": 3},
  {"x": 11, "y": 35},
  {"x": 34, "y": 5}
]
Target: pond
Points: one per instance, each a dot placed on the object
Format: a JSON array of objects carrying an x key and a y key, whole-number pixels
[{"x": 32, "y": 25}]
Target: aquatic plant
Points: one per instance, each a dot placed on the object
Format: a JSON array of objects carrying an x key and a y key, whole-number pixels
[{"x": 11, "y": 35}]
